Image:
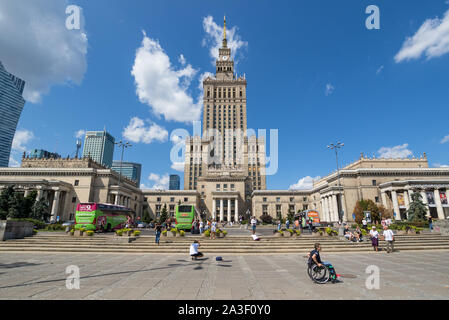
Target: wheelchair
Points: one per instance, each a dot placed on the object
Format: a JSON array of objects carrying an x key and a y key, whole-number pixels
[{"x": 322, "y": 274}]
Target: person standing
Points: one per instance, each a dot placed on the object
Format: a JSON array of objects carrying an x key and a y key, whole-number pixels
[
  {"x": 374, "y": 235},
  {"x": 158, "y": 229},
  {"x": 287, "y": 224},
  {"x": 213, "y": 229},
  {"x": 201, "y": 227},
  {"x": 253, "y": 224},
  {"x": 389, "y": 238},
  {"x": 303, "y": 223},
  {"x": 309, "y": 223},
  {"x": 279, "y": 225},
  {"x": 430, "y": 223}
]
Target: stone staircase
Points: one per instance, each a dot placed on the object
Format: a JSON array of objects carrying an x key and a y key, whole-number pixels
[{"x": 231, "y": 245}]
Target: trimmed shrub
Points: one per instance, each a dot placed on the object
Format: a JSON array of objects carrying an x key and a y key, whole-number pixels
[
  {"x": 207, "y": 233},
  {"x": 182, "y": 233},
  {"x": 164, "y": 232},
  {"x": 137, "y": 233},
  {"x": 119, "y": 232},
  {"x": 266, "y": 218},
  {"x": 90, "y": 233}
]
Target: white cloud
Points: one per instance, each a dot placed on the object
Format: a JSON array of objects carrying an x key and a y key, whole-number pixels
[
  {"x": 182, "y": 59},
  {"x": 136, "y": 131},
  {"x": 446, "y": 138},
  {"x": 380, "y": 69},
  {"x": 439, "y": 165},
  {"x": 21, "y": 138},
  {"x": 431, "y": 39},
  {"x": 214, "y": 38},
  {"x": 162, "y": 87},
  {"x": 305, "y": 183},
  {"x": 37, "y": 47},
  {"x": 80, "y": 134},
  {"x": 329, "y": 89},
  {"x": 400, "y": 151},
  {"x": 160, "y": 182},
  {"x": 178, "y": 166},
  {"x": 13, "y": 162}
]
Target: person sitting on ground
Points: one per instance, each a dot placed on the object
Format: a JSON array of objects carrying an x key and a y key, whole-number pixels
[
  {"x": 314, "y": 258},
  {"x": 358, "y": 234},
  {"x": 194, "y": 253},
  {"x": 348, "y": 234}
]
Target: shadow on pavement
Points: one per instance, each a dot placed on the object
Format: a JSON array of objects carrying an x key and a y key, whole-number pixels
[{"x": 18, "y": 265}]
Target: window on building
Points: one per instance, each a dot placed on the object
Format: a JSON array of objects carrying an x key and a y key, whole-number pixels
[
  {"x": 264, "y": 209},
  {"x": 376, "y": 199},
  {"x": 278, "y": 199},
  {"x": 218, "y": 186},
  {"x": 264, "y": 199},
  {"x": 77, "y": 182},
  {"x": 305, "y": 207},
  {"x": 232, "y": 187},
  {"x": 292, "y": 199},
  {"x": 158, "y": 199},
  {"x": 374, "y": 183},
  {"x": 225, "y": 187},
  {"x": 186, "y": 199},
  {"x": 73, "y": 199},
  {"x": 172, "y": 199},
  {"x": 278, "y": 210}
]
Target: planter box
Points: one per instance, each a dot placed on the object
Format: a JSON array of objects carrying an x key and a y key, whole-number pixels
[
  {"x": 78, "y": 233},
  {"x": 122, "y": 239},
  {"x": 277, "y": 234},
  {"x": 11, "y": 229},
  {"x": 401, "y": 232},
  {"x": 287, "y": 234}
]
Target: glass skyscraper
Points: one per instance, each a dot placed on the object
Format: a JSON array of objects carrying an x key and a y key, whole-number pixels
[
  {"x": 43, "y": 154},
  {"x": 99, "y": 146},
  {"x": 11, "y": 105},
  {"x": 130, "y": 170},
  {"x": 174, "y": 182}
]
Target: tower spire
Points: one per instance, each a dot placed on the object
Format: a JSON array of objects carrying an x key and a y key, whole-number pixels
[{"x": 225, "y": 42}]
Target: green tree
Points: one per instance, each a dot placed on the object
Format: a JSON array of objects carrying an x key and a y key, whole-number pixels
[
  {"x": 417, "y": 210},
  {"x": 366, "y": 205},
  {"x": 16, "y": 206},
  {"x": 164, "y": 214},
  {"x": 5, "y": 197},
  {"x": 146, "y": 216},
  {"x": 41, "y": 210}
]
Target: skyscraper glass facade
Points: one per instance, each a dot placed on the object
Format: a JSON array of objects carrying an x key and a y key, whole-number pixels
[
  {"x": 11, "y": 105},
  {"x": 174, "y": 182},
  {"x": 99, "y": 146},
  {"x": 43, "y": 154},
  {"x": 130, "y": 170}
]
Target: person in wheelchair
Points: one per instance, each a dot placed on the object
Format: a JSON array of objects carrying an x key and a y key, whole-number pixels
[{"x": 320, "y": 272}]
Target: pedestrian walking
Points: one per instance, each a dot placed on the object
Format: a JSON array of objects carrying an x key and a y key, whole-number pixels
[
  {"x": 303, "y": 223},
  {"x": 287, "y": 224},
  {"x": 389, "y": 238},
  {"x": 279, "y": 225},
  {"x": 253, "y": 224},
  {"x": 158, "y": 229},
  {"x": 430, "y": 224},
  {"x": 374, "y": 235},
  {"x": 309, "y": 223},
  {"x": 365, "y": 224},
  {"x": 297, "y": 224}
]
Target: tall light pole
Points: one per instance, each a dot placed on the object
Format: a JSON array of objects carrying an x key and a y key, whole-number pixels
[
  {"x": 123, "y": 145},
  {"x": 335, "y": 147}
]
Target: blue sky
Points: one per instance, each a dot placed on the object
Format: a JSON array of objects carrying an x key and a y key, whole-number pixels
[{"x": 314, "y": 72}]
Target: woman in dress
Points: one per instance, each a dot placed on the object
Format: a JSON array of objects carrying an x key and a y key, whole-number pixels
[{"x": 374, "y": 238}]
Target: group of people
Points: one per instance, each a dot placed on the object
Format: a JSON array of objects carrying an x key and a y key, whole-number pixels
[{"x": 374, "y": 235}]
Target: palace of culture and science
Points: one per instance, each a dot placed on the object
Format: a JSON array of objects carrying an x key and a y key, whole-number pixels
[{"x": 224, "y": 173}]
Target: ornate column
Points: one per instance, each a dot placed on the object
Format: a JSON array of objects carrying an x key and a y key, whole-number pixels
[
  {"x": 116, "y": 199},
  {"x": 229, "y": 209},
  {"x": 335, "y": 207},
  {"x": 424, "y": 199},
  {"x": 329, "y": 209},
  {"x": 40, "y": 194},
  {"x": 343, "y": 205},
  {"x": 214, "y": 208},
  {"x": 440, "y": 210},
  {"x": 407, "y": 201},
  {"x": 384, "y": 199},
  {"x": 396, "y": 210},
  {"x": 323, "y": 214},
  {"x": 27, "y": 192},
  {"x": 55, "y": 207},
  {"x": 236, "y": 208},
  {"x": 221, "y": 210}
]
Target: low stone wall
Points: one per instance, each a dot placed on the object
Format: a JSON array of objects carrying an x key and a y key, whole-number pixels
[
  {"x": 442, "y": 226},
  {"x": 11, "y": 229}
]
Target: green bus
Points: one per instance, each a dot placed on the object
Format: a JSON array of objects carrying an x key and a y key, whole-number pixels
[
  {"x": 99, "y": 216},
  {"x": 184, "y": 216}
]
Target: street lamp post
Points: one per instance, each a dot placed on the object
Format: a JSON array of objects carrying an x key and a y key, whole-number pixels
[
  {"x": 123, "y": 145},
  {"x": 335, "y": 147}
]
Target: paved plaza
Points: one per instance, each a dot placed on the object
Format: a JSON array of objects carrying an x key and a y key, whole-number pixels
[{"x": 403, "y": 275}]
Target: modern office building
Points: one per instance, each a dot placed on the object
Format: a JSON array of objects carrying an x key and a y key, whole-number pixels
[
  {"x": 43, "y": 154},
  {"x": 11, "y": 105},
  {"x": 174, "y": 182},
  {"x": 99, "y": 146},
  {"x": 130, "y": 170}
]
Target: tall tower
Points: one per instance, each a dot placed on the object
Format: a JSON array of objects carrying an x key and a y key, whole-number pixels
[
  {"x": 224, "y": 144},
  {"x": 11, "y": 105}
]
